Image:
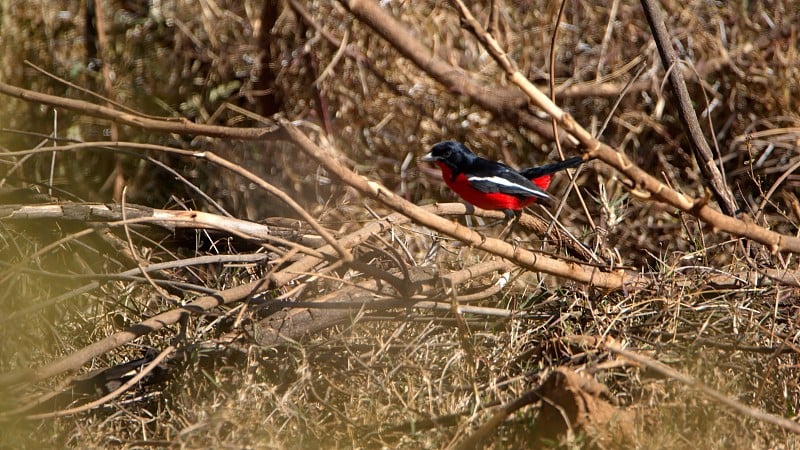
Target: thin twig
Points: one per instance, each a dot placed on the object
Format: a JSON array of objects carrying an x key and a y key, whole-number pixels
[
  {"x": 715, "y": 395},
  {"x": 111, "y": 395},
  {"x": 135, "y": 255},
  {"x": 552, "y": 82}
]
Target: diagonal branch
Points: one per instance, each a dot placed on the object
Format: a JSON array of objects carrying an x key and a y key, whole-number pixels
[
  {"x": 504, "y": 103},
  {"x": 702, "y": 152},
  {"x": 111, "y": 395},
  {"x": 731, "y": 403},
  {"x": 519, "y": 256}
]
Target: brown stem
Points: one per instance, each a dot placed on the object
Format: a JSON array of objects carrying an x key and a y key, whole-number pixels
[
  {"x": 702, "y": 152},
  {"x": 505, "y": 103}
]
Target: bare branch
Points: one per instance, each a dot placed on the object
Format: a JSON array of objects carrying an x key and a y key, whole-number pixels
[
  {"x": 702, "y": 152},
  {"x": 522, "y": 257},
  {"x": 733, "y": 404},
  {"x": 166, "y": 125}
]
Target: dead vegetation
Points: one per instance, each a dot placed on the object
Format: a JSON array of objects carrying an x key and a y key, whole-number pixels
[{"x": 274, "y": 281}]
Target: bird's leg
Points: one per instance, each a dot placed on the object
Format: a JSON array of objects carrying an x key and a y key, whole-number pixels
[
  {"x": 468, "y": 216},
  {"x": 512, "y": 217},
  {"x": 507, "y": 212}
]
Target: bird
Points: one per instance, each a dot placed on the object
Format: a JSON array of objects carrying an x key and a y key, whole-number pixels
[{"x": 491, "y": 184}]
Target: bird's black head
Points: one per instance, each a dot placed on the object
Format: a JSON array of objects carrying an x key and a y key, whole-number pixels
[{"x": 452, "y": 153}]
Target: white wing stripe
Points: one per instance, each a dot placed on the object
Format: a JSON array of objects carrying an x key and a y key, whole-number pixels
[{"x": 503, "y": 182}]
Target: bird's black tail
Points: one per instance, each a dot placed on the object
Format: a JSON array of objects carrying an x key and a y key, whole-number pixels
[{"x": 547, "y": 169}]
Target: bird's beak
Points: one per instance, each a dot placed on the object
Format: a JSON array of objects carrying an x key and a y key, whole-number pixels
[{"x": 429, "y": 157}]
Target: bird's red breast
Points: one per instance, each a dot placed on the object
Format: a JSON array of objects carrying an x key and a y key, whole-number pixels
[{"x": 486, "y": 200}]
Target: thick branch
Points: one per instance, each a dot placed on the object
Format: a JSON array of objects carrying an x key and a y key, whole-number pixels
[
  {"x": 504, "y": 103},
  {"x": 167, "y": 219}
]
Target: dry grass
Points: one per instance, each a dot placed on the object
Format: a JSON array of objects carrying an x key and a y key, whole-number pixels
[{"x": 411, "y": 377}]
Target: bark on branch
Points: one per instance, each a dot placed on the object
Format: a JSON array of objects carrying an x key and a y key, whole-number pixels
[
  {"x": 702, "y": 152},
  {"x": 506, "y": 103}
]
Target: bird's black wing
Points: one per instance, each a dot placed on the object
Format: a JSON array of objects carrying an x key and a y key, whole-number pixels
[{"x": 490, "y": 176}]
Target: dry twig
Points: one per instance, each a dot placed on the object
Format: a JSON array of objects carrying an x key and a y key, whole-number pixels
[
  {"x": 705, "y": 158},
  {"x": 735, "y": 405}
]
